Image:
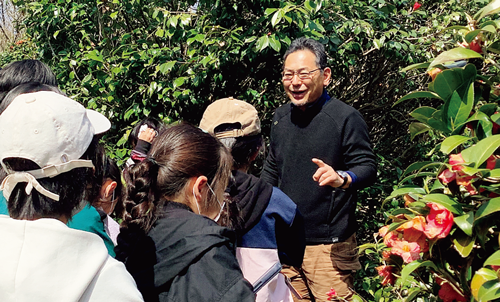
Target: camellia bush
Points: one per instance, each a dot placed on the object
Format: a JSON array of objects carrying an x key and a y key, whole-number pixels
[{"x": 442, "y": 243}]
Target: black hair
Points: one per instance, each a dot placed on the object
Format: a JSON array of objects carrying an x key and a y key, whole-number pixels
[
  {"x": 177, "y": 154},
  {"x": 153, "y": 123},
  {"x": 25, "y": 71},
  {"x": 70, "y": 187},
  {"x": 312, "y": 45},
  {"x": 242, "y": 148}
]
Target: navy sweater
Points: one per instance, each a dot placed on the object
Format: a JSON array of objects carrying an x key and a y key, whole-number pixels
[{"x": 335, "y": 133}]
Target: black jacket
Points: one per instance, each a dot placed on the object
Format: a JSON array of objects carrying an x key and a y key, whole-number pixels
[
  {"x": 185, "y": 257},
  {"x": 335, "y": 133}
]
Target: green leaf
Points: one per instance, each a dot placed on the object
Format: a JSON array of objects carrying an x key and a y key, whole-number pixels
[
  {"x": 418, "y": 94},
  {"x": 179, "y": 81},
  {"x": 276, "y": 18},
  {"x": 492, "y": 8},
  {"x": 450, "y": 143},
  {"x": 493, "y": 259},
  {"x": 423, "y": 114},
  {"x": 463, "y": 244},
  {"x": 417, "y": 166},
  {"x": 454, "y": 54},
  {"x": 480, "y": 152},
  {"x": 269, "y": 11},
  {"x": 490, "y": 290},
  {"x": 456, "y": 79},
  {"x": 488, "y": 208},
  {"x": 472, "y": 35},
  {"x": 94, "y": 55},
  {"x": 160, "y": 32},
  {"x": 275, "y": 44},
  {"x": 405, "y": 190},
  {"x": 128, "y": 114},
  {"x": 446, "y": 201},
  {"x": 262, "y": 43},
  {"x": 465, "y": 222},
  {"x": 410, "y": 267},
  {"x": 166, "y": 67},
  {"x": 415, "y": 66},
  {"x": 412, "y": 294},
  {"x": 482, "y": 276},
  {"x": 418, "y": 128}
]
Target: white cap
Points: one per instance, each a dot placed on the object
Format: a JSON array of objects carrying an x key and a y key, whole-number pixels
[{"x": 49, "y": 129}]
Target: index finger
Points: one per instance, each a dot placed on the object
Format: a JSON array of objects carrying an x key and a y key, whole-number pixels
[{"x": 318, "y": 162}]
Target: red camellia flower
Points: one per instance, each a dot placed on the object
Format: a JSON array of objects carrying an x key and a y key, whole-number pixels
[
  {"x": 416, "y": 6},
  {"x": 456, "y": 174},
  {"x": 409, "y": 251},
  {"x": 331, "y": 294},
  {"x": 439, "y": 221},
  {"x": 413, "y": 231},
  {"x": 389, "y": 237},
  {"x": 447, "y": 293},
  {"x": 385, "y": 271}
]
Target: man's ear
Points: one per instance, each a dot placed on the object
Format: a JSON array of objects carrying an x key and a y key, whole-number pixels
[{"x": 327, "y": 74}]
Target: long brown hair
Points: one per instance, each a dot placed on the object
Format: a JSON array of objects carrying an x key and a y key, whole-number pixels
[{"x": 177, "y": 154}]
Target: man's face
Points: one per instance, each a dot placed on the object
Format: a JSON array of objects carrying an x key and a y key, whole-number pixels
[{"x": 304, "y": 91}]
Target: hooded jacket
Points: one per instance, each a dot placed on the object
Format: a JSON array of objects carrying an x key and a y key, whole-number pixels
[
  {"x": 44, "y": 260},
  {"x": 273, "y": 232},
  {"x": 184, "y": 257}
]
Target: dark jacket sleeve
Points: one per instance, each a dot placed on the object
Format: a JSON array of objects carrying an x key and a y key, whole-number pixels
[
  {"x": 270, "y": 170},
  {"x": 358, "y": 154}
]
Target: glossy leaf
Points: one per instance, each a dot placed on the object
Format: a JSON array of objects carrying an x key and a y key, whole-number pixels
[
  {"x": 492, "y": 8},
  {"x": 415, "y": 66},
  {"x": 465, "y": 222},
  {"x": 423, "y": 114},
  {"x": 418, "y": 128},
  {"x": 490, "y": 290},
  {"x": 480, "y": 152},
  {"x": 418, "y": 166},
  {"x": 472, "y": 35},
  {"x": 451, "y": 142},
  {"x": 446, "y": 201},
  {"x": 410, "y": 267},
  {"x": 418, "y": 94},
  {"x": 488, "y": 208},
  {"x": 494, "y": 259},
  {"x": 482, "y": 276},
  {"x": 406, "y": 190},
  {"x": 463, "y": 244},
  {"x": 455, "y": 54}
]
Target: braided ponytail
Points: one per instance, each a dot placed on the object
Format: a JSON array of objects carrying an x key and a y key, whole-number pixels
[{"x": 140, "y": 199}]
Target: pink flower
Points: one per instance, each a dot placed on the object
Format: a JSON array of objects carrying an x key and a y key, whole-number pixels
[
  {"x": 447, "y": 176},
  {"x": 409, "y": 251},
  {"x": 331, "y": 294},
  {"x": 416, "y": 6},
  {"x": 456, "y": 160},
  {"x": 413, "y": 232},
  {"x": 385, "y": 271},
  {"x": 439, "y": 221}
]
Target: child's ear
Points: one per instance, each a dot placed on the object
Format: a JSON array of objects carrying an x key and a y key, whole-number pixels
[{"x": 110, "y": 186}]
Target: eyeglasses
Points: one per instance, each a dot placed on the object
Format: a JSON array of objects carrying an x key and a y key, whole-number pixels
[{"x": 303, "y": 75}]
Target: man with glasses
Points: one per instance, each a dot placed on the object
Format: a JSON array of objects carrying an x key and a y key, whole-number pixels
[{"x": 320, "y": 155}]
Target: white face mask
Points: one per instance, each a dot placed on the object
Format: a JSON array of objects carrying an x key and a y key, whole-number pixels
[
  {"x": 196, "y": 202},
  {"x": 221, "y": 205}
]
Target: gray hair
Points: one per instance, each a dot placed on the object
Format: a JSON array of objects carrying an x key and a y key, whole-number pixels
[{"x": 312, "y": 45}]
